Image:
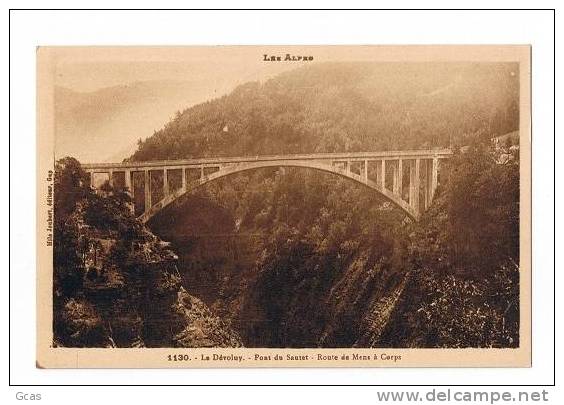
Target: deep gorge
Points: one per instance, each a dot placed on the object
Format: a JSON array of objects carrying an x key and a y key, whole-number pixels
[{"x": 268, "y": 289}]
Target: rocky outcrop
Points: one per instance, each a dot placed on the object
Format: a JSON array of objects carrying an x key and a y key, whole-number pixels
[
  {"x": 116, "y": 284},
  {"x": 203, "y": 328}
]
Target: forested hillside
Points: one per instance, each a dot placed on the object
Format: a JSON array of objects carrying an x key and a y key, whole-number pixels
[{"x": 347, "y": 107}]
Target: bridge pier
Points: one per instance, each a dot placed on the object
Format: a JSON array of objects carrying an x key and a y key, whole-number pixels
[
  {"x": 383, "y": 174},
  {"x": 395, "y": 177},
  {"x": 434, "y": 177},
  {"x": 400, "y": 178},
  {"x": 431, "y": 180},
  {"x": 414, "y": 185},
  {"x": 165, "y": 182},
  {"x": 147, "y": 190},
  {"x": 424, "y": 182},
  {"x": 128, "y": 187}
]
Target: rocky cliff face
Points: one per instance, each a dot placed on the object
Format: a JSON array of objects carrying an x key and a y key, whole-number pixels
[
  {"x": 318, "y": 305},
  {"x": 117, "y": 285},
  {"x": 203, "y": 328}
]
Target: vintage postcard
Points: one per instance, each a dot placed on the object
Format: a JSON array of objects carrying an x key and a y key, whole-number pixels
[{"x": 284, "y": 206}]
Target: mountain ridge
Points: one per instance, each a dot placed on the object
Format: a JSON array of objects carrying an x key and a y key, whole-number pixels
[
  {"x": 334, "y": 107},
  {"x": 86, "y": 123}
]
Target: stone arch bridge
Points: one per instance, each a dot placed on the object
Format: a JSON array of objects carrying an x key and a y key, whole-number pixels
[{"x": 407, "y": 179}]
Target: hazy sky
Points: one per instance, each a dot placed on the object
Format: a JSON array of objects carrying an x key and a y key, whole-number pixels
[
  {"x": 87, "y": 77},
  {"x": 105, "y": 125},
  {"x": 90, "y": 69}
]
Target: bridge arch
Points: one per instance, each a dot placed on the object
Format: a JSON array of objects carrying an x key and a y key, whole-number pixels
[{"x": 239, "y": 168}]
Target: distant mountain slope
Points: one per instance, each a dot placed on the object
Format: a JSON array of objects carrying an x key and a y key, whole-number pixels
[
  {"x": 105, "y": 125},
  {"x": 347, "y": 107}
]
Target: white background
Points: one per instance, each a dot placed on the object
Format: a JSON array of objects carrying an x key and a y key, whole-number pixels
[{"x": 32, "y": 28}]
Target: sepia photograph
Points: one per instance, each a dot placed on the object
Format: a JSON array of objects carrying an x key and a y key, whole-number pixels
[{"x": 284, "y": 206}]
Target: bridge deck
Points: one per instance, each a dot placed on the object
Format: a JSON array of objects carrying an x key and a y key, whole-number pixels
[{"x": 350, "y": 156}]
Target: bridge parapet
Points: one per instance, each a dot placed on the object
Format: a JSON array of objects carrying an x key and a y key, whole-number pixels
[{"x": 406, "y": 178}]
